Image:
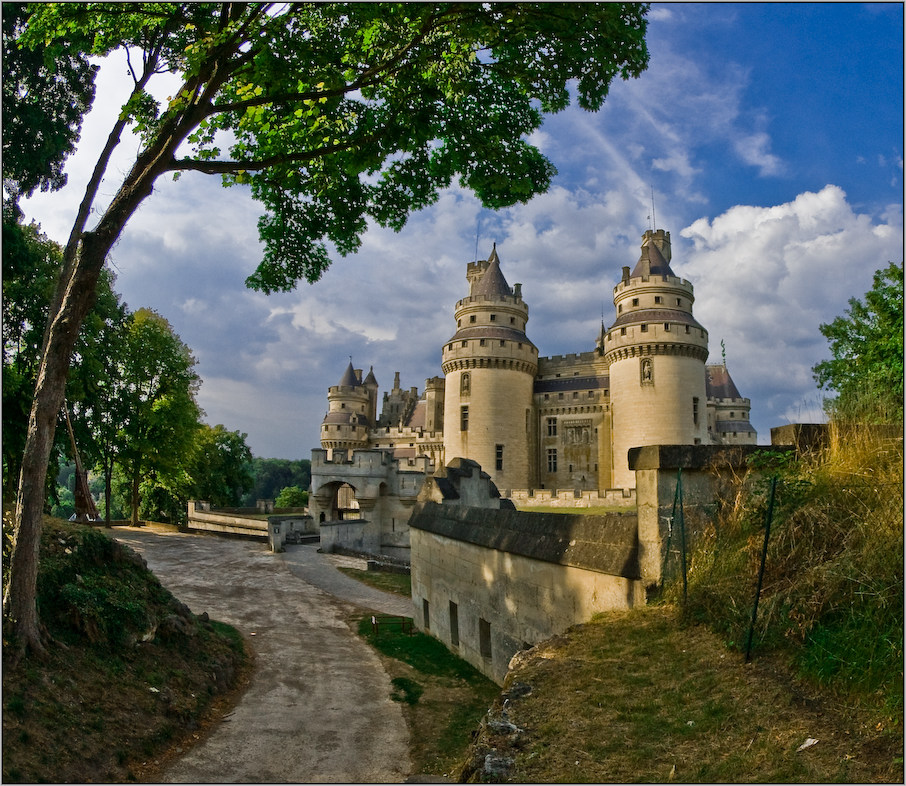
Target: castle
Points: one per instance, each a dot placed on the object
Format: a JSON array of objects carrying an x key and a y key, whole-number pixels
[{"x": 562, "y": 422}]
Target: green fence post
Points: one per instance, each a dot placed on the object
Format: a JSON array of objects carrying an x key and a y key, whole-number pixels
[{"x": 764, "y": 556}]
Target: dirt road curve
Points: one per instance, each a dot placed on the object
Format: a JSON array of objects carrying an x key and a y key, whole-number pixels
[{"x": 318, "y": 706}]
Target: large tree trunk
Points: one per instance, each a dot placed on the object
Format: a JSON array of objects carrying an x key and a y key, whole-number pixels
[{"x": 19, "y": 598}]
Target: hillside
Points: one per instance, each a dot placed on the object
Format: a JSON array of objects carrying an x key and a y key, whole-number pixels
[
  {"x": 131, "y": 675},
  {"x": 641, "y": 697}
]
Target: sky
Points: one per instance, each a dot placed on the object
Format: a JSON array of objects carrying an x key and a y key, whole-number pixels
[{"x": 766, "y": 138}]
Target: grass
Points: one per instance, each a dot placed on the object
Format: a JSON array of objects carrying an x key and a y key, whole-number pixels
[
  {"x": 106, "y": 704},
  {"x": 832, "y": 596},
  {"x": 397, "y": 583},
  {"x": 643, "y": 697},
  {"x": 444, "y": 697}
]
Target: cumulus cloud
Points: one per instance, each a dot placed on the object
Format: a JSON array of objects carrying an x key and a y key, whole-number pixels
[{"x": 766, "y": 278}]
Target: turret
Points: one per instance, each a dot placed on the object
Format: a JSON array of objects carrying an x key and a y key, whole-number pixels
[
  {"x": 489, "y": 366},
  {"x": 656, "y": 353},
  {"x": 349, "y": 412}
]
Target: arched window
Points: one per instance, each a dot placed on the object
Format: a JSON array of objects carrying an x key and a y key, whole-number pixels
[{"x": 465, "y": 384}]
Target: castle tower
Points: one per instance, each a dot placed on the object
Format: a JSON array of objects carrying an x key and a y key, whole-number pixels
[
  {"x": 350, "y": 407},
  {"x": 489, "y": 367},
  {"x": 656, "y": 354}
]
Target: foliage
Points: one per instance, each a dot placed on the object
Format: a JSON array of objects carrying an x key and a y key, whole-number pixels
[
  {"x": 221, "y": 465},
  {"x": 866, "y": 369},
  {"x": 158, "y": 384},
  {"x": 31, "y": 264},
  {"x": 271, "y": 475},
  {"x": 291, "y": 497},
  {"x": 339, "y": 113},
  {"x": 51, "y": 88},
  {"x": 832, "y": 597}
]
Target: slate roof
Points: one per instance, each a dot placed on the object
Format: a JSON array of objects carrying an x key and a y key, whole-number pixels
[
  {"x": 724, "y": 426},
  {"x": 652, "y": 262},
  {"x": 491, "y": 331},
  {"x": 492, "y": 282},
  {"x": 565, "y": 384},
  {"x": 652, "y": 315},
  {"x": 349, "y": 379},
  {"x": 719, "y": 383}
]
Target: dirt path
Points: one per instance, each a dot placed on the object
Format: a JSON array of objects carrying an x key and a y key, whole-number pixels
[{"x": 317, "y": 708}]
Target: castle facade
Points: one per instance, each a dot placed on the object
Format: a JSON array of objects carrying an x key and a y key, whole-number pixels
[{"x": 563, "y": 422}]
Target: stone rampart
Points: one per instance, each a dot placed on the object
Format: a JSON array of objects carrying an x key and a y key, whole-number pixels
[
  {"x": 489, "y": 582},
  {"x": 572, "y": 498}
]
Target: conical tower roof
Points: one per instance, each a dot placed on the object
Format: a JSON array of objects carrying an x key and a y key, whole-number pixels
[
  {"x": 370, "y": 379},
  {"x": 349, "y": 379},
  {"x": 492, "y": 283},
  {"x": 652, "y": 261}
]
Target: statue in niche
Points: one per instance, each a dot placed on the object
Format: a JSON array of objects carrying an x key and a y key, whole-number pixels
[{"x": 647, "y": 371}]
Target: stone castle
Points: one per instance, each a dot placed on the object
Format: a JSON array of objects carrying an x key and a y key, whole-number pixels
[{"x": 564, "y": 422}]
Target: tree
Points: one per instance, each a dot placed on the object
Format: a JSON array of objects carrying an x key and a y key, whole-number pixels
[
  {"x": 291, "y": 497},
  {"x": 333, "y": 113},
  {"x": 271, "y": 475},
  {"x": 51, "y": 88},
  {"x": 221, "y": 466},
  {"x": 866, "y": 369},
  {"x": 157, "y": 385}
]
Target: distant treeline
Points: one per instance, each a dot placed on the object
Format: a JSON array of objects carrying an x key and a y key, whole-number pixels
[{"x": 273, "y": 475}]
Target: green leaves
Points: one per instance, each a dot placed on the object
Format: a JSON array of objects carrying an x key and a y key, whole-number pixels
[
  {"x": 335, "y": 114},
  {"x": 866, "y": 369}
]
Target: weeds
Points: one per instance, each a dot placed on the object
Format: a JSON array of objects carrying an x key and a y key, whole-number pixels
[{"x": 832, "y": 597}]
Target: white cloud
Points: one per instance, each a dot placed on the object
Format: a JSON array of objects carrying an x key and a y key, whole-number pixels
[{"x": 765, "y": 279}]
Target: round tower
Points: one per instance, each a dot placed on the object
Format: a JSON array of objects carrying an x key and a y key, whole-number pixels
[
  {"x": 656, "y": 354},
  {"x": 489, "y": 366},
  {"x": 350, "y": 408}
]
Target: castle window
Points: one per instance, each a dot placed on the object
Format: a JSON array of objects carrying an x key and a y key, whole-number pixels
[
  {"x": 547, "y": 397},
  {"x": 552, "y": 460},
  {"x": 465, "y": 343},
  {"x": 520, "y": 345},
  {"x": 493, "y": 317},
  {"x": 472, "y": 318},
  {"x": 658, "y": 299},
  {"x": 643, "y": 328},
  {"x": 552, "y": 427},
  {"x": 591, "y": 394},
  {"x": 484, "y": 637},
  {"x": 679, "y": 302},
  {"x": 575, "y": 394},
  {"x": 502, "y": 343},
  {"x": 454, "y": 624},
  {"x": 343, "y": 405},
  {"x": 620, "y": 309},
  {"x": 458, "y": 323},
  {"x": 695, "y": 410},
  {"x": 426, "y": 617},
  {"x": 622, "y": 331},
  {"x": 667, "y": 326},
  {"x": 560, "y": 396},
  {"x": 465, "y": 384},
  {"x": 635, "y": 301},
  {"x": 498, "y": 450},
  {"x": 464, "y": 418},
  {"x": 481, "y": 342},
  {"x": 687, "y": 330},
  {"x": 512, "y": 320}
]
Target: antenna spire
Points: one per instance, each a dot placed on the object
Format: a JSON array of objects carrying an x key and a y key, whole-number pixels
[{"x": 653, "y": 216}]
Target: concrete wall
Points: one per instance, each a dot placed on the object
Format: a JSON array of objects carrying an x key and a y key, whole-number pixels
[{"x": 516, "y": 578}]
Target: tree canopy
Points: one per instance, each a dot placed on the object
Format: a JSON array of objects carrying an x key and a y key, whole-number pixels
[{"x": 866, "y": 344}]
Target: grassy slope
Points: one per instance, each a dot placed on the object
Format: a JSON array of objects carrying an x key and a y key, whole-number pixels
[{"x": 131, "y": 675}]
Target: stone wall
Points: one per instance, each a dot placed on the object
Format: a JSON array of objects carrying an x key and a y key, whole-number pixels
[
  {"x": 571, "y": 498},
  {"x": 488, "y": 583}
]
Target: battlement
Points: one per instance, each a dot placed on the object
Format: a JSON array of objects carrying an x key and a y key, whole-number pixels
[
  {"x": 515, "y": 300},
  {"x": 554, "y": 362},
  {"x": 637, "y": 281}
]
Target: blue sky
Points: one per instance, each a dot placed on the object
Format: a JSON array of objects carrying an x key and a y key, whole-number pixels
[{"x": 770, "y": 134}]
